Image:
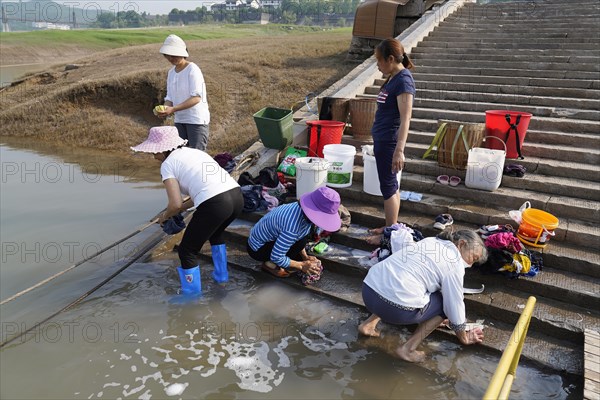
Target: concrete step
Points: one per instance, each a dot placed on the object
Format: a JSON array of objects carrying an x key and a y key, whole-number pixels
[
  {"x": 564, "y": 288},
  {"x": 491, "y": 51},
  {"x": 563, "y": 37},
  {"x": 341, "y": 281},
  {"x": 512, "y": 34},
  {"x": 531, "y": 64},
  {"x": 582, "y": 259},
  {"x": 527, "y": 28},
  {"x": 488, "y": 208},
  {"x": 475, "y": 40},
  {"x": 465, "y": 101},
  {"x": 507, "y": 46},
  {"x": 539, "y": 123},
  {"x": 518, "y": 73},
  {"x": 567, "y": 95},
  {"x": 566, "y": 61},
  {"x": 499, "y": 82},
  {"x": 429, "y": 169},
  {"x": 509, "y": 93},
  {"x": 544, "y": 166},
  {"x": 573, "y": 159}
]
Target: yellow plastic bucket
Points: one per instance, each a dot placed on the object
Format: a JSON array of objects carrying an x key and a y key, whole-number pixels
[{"x": 537, "y": 227}]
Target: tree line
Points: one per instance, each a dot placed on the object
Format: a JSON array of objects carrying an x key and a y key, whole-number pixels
[{"x": 305, "y": 12}]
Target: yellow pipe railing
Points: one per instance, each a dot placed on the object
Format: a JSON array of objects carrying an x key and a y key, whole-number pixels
[{"x": 501, "y": 382}]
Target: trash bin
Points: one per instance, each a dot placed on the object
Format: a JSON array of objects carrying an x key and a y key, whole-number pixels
[{"x": 275, "y": 127}]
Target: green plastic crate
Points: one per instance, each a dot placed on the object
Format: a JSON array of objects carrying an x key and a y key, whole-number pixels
[{"x": 275, "y": 127}]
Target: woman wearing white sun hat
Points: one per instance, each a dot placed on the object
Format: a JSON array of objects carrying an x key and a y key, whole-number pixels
[
  {"x": 186, "y": 94},
  {"x": 215, "y": 194}
]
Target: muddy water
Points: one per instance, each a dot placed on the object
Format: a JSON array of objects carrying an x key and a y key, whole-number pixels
[
  {"x": 10, "y": 73},
  {"x": 137, "y": 338}
]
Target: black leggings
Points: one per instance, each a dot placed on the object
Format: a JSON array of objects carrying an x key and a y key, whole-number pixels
[
  {"x": 210, "y": 220},
  {"x": 264, "y": 253}
]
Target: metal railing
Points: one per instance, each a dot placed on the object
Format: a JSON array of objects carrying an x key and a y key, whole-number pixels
[{"x": 501, "y": 382}]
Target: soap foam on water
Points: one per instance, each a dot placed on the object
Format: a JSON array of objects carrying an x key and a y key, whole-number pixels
[{"x": 175, "y": 389}]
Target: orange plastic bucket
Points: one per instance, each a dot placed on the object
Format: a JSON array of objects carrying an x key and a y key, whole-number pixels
[
  {"x": 321, "y": 133},
  {"x": 537, "y": 227},
  {"x": 505, "y": 125}
]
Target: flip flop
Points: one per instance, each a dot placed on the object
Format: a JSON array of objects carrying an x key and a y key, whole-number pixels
[
  {"x": 454, "y": 181},
  {"x": 443, "y": 179},
  {"x": 277, "y": 271}
]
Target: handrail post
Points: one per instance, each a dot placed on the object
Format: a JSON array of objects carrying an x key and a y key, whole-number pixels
[{"x": 503, "y": 377}]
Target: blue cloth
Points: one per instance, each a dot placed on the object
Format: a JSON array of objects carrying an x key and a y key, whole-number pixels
[
  {"x": 174, "y": 225},
  {"x": 284, "y": 225},
  {"x": 387, "y": 118}
]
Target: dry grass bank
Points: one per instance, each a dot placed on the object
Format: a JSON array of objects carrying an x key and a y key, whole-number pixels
[{"x": 107, "y": 102}]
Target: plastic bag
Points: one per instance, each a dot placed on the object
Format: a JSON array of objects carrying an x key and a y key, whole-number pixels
[
  {"x": 517, "y": 215},
  {"x": 287, "y": 165}
]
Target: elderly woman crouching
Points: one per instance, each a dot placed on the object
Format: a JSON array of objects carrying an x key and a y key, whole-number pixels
[{"x": 423, "y": 284}]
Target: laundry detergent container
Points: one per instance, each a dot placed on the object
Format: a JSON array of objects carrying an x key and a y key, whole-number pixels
[{"x": 341, "y": 164}]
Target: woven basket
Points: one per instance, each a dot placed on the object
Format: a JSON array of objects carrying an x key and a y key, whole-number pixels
[
  {"x": 340, "y": 109},
  {"x": 453, "y": 151},
  {"x": 362, "y": 115}
]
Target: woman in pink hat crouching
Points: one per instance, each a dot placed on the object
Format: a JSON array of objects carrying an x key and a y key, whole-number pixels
[
  {"x": 215, "y": 194},
  {"x": 280, "y": 237}
]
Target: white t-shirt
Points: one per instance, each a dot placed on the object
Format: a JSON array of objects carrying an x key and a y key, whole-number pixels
[
  {"x": 183, "y": 85},
  {"x": 410, "y": 275},
  {"x": 198, "y": 174}
]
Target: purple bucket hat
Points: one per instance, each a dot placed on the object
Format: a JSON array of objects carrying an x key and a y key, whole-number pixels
[
  {"x": 160, "y": 138},
  {"x": 321, "y": 208}
]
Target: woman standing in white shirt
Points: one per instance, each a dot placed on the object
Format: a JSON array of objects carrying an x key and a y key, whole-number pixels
[
  {"x": 423, "y": 284},
  {"x": 186, "y": 94}
]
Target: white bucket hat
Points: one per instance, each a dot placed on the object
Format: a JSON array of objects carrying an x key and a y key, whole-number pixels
[
  {"x": 174, "y": 46},
  {"x": 160, "y": 139}
]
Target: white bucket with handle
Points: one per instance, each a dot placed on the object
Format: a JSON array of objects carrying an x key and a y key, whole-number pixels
[{"x": 485, "y": 167}]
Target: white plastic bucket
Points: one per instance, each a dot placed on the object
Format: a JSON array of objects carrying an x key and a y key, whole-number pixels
[
  {"x": 341, "y": 164},
  {"x": 485, "y": 167},
  {"x": 370, "y": 177},
  {"x": 311, "y": 174}
]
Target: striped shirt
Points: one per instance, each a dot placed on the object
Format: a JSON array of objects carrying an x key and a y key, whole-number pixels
[{"x": 284, "y": 225}]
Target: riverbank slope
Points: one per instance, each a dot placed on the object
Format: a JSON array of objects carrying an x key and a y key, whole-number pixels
[{"x": 106, "y": 103}]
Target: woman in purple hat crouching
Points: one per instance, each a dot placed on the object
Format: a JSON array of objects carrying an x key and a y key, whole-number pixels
[
  {"x": 215, "y": 194},
  {"x": 280, "y": 237}
]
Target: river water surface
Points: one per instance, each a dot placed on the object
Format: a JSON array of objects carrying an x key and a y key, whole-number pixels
[{"x": 135, "y": 337}]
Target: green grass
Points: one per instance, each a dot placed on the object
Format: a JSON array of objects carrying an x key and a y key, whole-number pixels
[{"x": 114, "y": 38}]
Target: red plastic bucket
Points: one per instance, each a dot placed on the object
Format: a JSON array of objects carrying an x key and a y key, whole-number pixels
[
  {"x": 321, "y": 133},
  {"x": 508, "y": 126}
]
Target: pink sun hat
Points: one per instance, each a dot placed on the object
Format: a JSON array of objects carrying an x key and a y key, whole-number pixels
[
  {"x": 160, "y": 138},
  {"x": 321, "y": 208}
]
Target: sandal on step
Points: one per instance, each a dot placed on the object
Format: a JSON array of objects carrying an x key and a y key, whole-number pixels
[{"x": 277, "y": 271}]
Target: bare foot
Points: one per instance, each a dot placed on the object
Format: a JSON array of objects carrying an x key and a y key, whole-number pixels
[
  {"x": 444, "y": 324},
  {"x": 377, "y": 231},
  {"x": 368, "y": 330},
  {"x": 374, "y": 240},
  {"x": 410, "y": 356}
]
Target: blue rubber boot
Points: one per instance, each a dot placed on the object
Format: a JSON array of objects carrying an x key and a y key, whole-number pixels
[
  {"x": 190, "y": 280},
  {"x": 219, "y": 256}
]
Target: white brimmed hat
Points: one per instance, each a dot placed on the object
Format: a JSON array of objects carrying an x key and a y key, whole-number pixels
[
  {"x": 174, "y": 46},
  {"x": 160, "y": 139}
]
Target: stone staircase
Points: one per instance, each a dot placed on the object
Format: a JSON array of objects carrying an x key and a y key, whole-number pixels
[{"x": 542, "y": 58}]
